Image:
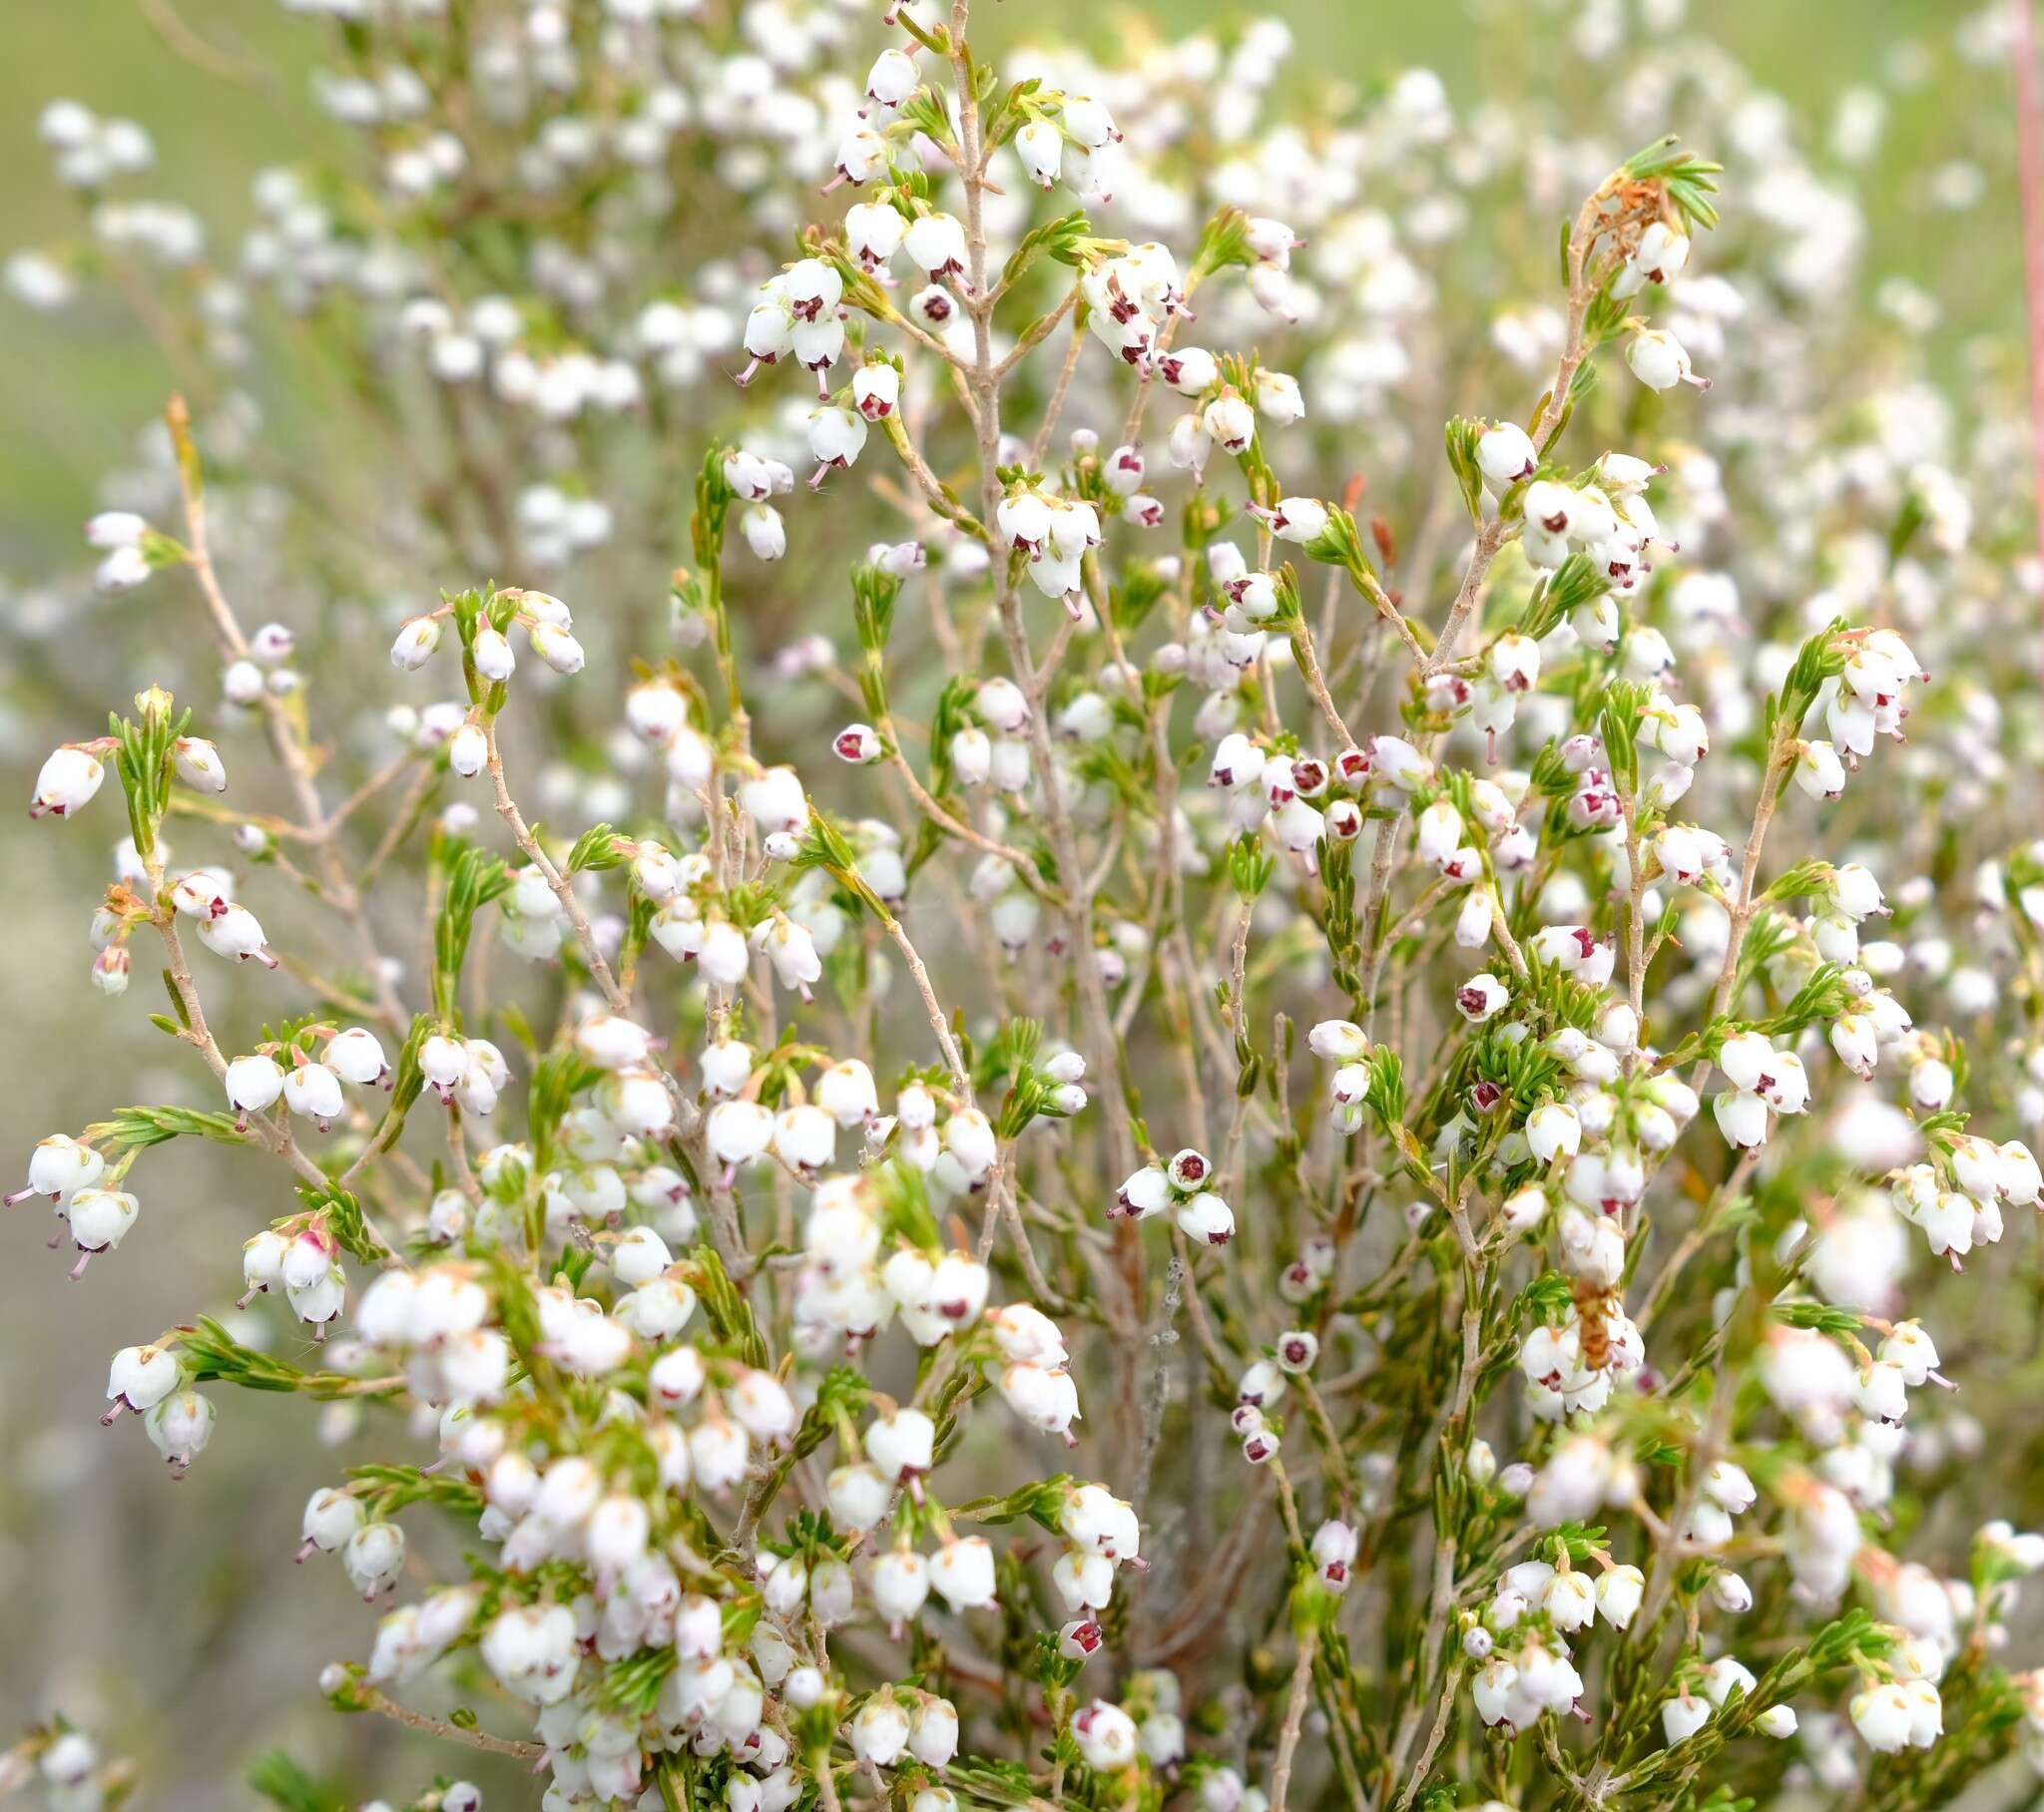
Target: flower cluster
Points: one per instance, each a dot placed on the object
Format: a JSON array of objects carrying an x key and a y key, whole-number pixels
[{"x": 714, "y": 1214}]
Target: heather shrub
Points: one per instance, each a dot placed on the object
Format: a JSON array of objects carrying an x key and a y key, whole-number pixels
[{"x": 1186, "y": 950}]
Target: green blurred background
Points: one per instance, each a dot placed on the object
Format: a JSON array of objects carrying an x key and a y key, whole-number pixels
[{"x": 124, "y": 1605}]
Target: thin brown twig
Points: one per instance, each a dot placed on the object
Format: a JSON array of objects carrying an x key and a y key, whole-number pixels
[
  {"x": 372, "y": 1701},
  {"x": 1294, "y": 1716},
  {"x": 291, "y": 752}
]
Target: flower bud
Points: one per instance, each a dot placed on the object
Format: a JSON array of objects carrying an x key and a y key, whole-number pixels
[
  {"x": 963, "y": 1574},
  {"x": 180, "y": 1427},
  {"x": 253, "y": 1082},
  {"x": 199, "y": 764},
  {"x": 139, "y": 1378},
  {"x": 415, "y": 643},
  {"x": 1206, "y": 1219},
  {"x": 331, "y": 1521},
  {"x": 859, "y": 743},
  {"x": 68, "y": 779},
  {"x": 1618, "y": 1592},
  {"x": 311, "y": 1091},
  {"x": 1505, "y": 454},
  {"x": 556, "y": 647},
  {"x": 355, "y": 1056},
  {"x": 1105, "y": 1736}
]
